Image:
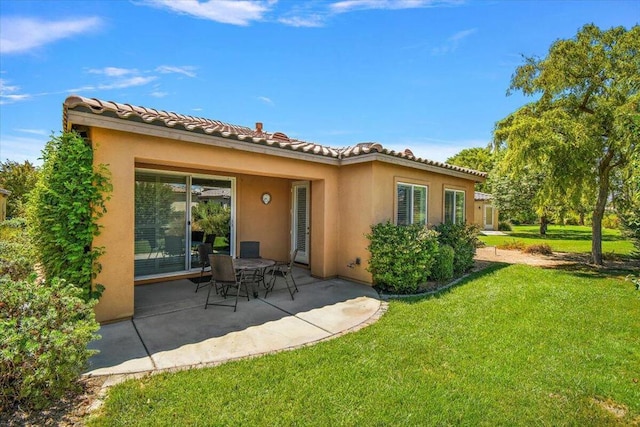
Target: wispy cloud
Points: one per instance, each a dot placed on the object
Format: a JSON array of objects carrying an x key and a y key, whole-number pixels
[
  {"x": 435, "y": 149},
  {"x": 118, "y": 84},
  {"x": 235, "y": 12},
  {"x": 452, "y": 43},
  {"x": 40, "y": 132},
  {"x": 113, "y": 71},
  {"x": 351, "y": 5},
  {"x": 187, "y": 70},
  {"x": 311, "y": 21},
  {"x": 266, "y": 100},
  {"x": 159, "y": 94},
  {"x": 11, "y": 93},
  {"x": 21, "y": 35}
]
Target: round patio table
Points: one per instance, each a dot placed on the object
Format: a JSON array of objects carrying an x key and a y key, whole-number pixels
[{"x": 257, "y": 265}]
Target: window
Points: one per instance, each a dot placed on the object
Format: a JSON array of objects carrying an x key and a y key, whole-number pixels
[
  {"x": 412, "y": 204},
  {"x": 454, "y": 206}
]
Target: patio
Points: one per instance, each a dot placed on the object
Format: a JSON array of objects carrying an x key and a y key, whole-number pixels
[{"x": 172, "y": 330}]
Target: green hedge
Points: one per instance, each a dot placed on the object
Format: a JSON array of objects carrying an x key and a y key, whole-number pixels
[
  {"x": 443, "y": 267},
  {"x": 45, "y": 329},
  {"x": 401, "y": 256},
  {"x": 463, "y": 239}
]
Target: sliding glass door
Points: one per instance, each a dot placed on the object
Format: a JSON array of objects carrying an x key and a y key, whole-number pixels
[{"x": 174, "y": 213}]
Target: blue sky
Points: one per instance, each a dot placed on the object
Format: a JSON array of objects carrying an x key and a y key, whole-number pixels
[{"x": 430, "y": 75}]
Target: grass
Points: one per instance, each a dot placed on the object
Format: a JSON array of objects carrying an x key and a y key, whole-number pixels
[
  {"x": 513, "y": 345},
  {"x": 564, "y": 238}
]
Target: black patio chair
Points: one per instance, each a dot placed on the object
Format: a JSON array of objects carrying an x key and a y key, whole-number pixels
[
  {"x": 204, "y": 249},
  {"x": 249, "y": 249},
  {"x": 223, "y": 274},
  {"x": 283, "y": 269}
]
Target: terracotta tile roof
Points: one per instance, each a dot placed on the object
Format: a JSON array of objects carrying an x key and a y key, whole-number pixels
[{"x": 241, "y": 133}]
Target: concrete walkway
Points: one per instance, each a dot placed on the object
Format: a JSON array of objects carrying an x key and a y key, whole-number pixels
[{"x": 172, "y": 330}]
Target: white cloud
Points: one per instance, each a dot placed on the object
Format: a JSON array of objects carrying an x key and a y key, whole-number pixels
[
  {"x": 452, "y": 43},
  {"x": 266, "y": 100},
  {"x": 113, "y": 71},
  {"x": 311, "y": 21},
  {"x": 19, "y": 149},
  {"x": 23, "y": 34},
  {"x": 40, "y": 132},
  {"x": 236, "y": 12},
  {"x": 159, "y": 94},
  {"x": 9, "y": 95},
  {"x": 350, "y": 5},
  {"x": 435, "y": 149},
  {"x": 118, "y": 84},
  {"x": 187, "y": 70}
]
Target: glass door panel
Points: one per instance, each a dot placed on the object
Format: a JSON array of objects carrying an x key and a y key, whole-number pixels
[
  {"x": 160, "y": 223},
  {"x": 211, "y": 205}
]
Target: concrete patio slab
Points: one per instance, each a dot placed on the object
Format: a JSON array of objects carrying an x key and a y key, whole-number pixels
[{"x": 172, "y": 330}]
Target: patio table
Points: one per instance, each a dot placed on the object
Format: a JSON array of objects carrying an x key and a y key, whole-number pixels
[{"x": 245, "y": 265}]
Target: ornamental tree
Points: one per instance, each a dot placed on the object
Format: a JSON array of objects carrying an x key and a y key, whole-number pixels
[{"x": 583, "y": 127}]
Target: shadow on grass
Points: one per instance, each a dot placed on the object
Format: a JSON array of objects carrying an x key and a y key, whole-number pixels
[{"x": 563, "y": 234}]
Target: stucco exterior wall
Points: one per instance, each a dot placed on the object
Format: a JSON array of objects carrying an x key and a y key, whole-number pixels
[{"x": 344, "y": 202}]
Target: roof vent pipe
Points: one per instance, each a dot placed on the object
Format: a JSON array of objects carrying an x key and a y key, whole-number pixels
[{"x": 259, "y": 127}]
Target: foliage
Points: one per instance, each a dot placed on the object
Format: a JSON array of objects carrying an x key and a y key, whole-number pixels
[
  {"x": 510, "y": 346},
  {"x": 463, "y": 238},
  {"x": 585, "y": 124},
  {"x": 512, "y": 245},
  {"x": 17, "y": 253},
  {"x": 504, "y": 226},
  {"x": 45, "y": 329},
  {"x": 442, "y": 269},
  {"x": 19, "y": 179},
  {"x": 401, "y": 256},
  {"x": 477, "y": 158},
  {"x": 628, "y": 203},
  {"x": 515, "y": 195},
  {"x": 212, "y": 218},
  {"x": 64, "y": 209},
  {"x": 538, "y": 248},
  {"x": 611, "y": 221}
]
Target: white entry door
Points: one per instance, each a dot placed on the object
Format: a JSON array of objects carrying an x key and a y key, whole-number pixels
[
  {"x": 488, "y": 217},
  {"x": 300, "y": 221}
]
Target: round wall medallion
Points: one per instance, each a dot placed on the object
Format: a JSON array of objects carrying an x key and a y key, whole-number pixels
[{"x": 266, "y": 198}]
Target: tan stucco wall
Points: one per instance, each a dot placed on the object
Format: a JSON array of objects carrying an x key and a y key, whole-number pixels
[
  {"x": 344, "y": 202},
  {"x": 478, "y": 214},
  {"x": 3, "y": 206}
]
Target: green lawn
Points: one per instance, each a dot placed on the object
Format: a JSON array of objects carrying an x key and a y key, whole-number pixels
[
  {"x": 564, "y": 238},
  {"x": 513, "y": 345}
]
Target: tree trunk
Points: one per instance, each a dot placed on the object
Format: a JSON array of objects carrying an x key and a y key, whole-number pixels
[
  {"x": 543, "y": 225},
  {"x": 581, "y": 218},
  {"x": 598, "y": 212}
]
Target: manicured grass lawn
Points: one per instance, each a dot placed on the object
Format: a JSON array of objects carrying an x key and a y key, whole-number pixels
[
  {"x": 564, "y": 238},
  {"x": 513, "y": 345}
]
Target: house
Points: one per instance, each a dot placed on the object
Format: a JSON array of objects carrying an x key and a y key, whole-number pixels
[
  {"x": 280, "y": 191},
  {"x": 485, "y": 215}
]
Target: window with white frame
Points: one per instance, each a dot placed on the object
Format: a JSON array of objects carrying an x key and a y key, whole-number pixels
[
  {"x": 412, "y": 204},
  {"x": 454, "y": 206}
]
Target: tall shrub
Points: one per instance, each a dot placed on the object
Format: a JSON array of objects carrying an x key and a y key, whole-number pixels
[
  {"x": 463, "y": 239},
  {"x": 17, "y": 253},
  {"x": 401, "y": 256},
  {"x": 64, "y": 209},
  {"x": 44, "y": 329}
]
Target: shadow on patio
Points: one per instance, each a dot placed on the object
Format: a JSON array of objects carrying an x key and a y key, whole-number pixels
[{"x": 171, "y": 328}]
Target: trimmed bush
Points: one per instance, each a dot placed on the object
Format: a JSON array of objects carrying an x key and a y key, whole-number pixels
[
  {"x": 504, "y": 226},
  {"x": 16, "y": 251},
  {"x": 45, "y": 329},
  {"x": 463, "y": 239},
  {"x": 512, "y": 245},
  {"x": 538, "y": 248},
  {"x": 401, "y": 256},
  {"x": 442, "y": 270}
]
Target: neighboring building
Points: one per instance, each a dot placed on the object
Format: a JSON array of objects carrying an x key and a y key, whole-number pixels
[
  {"x": 485, "y": 215},
  {"x": 4, "y": 195},
  {"x": 284, "y": 193}
]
